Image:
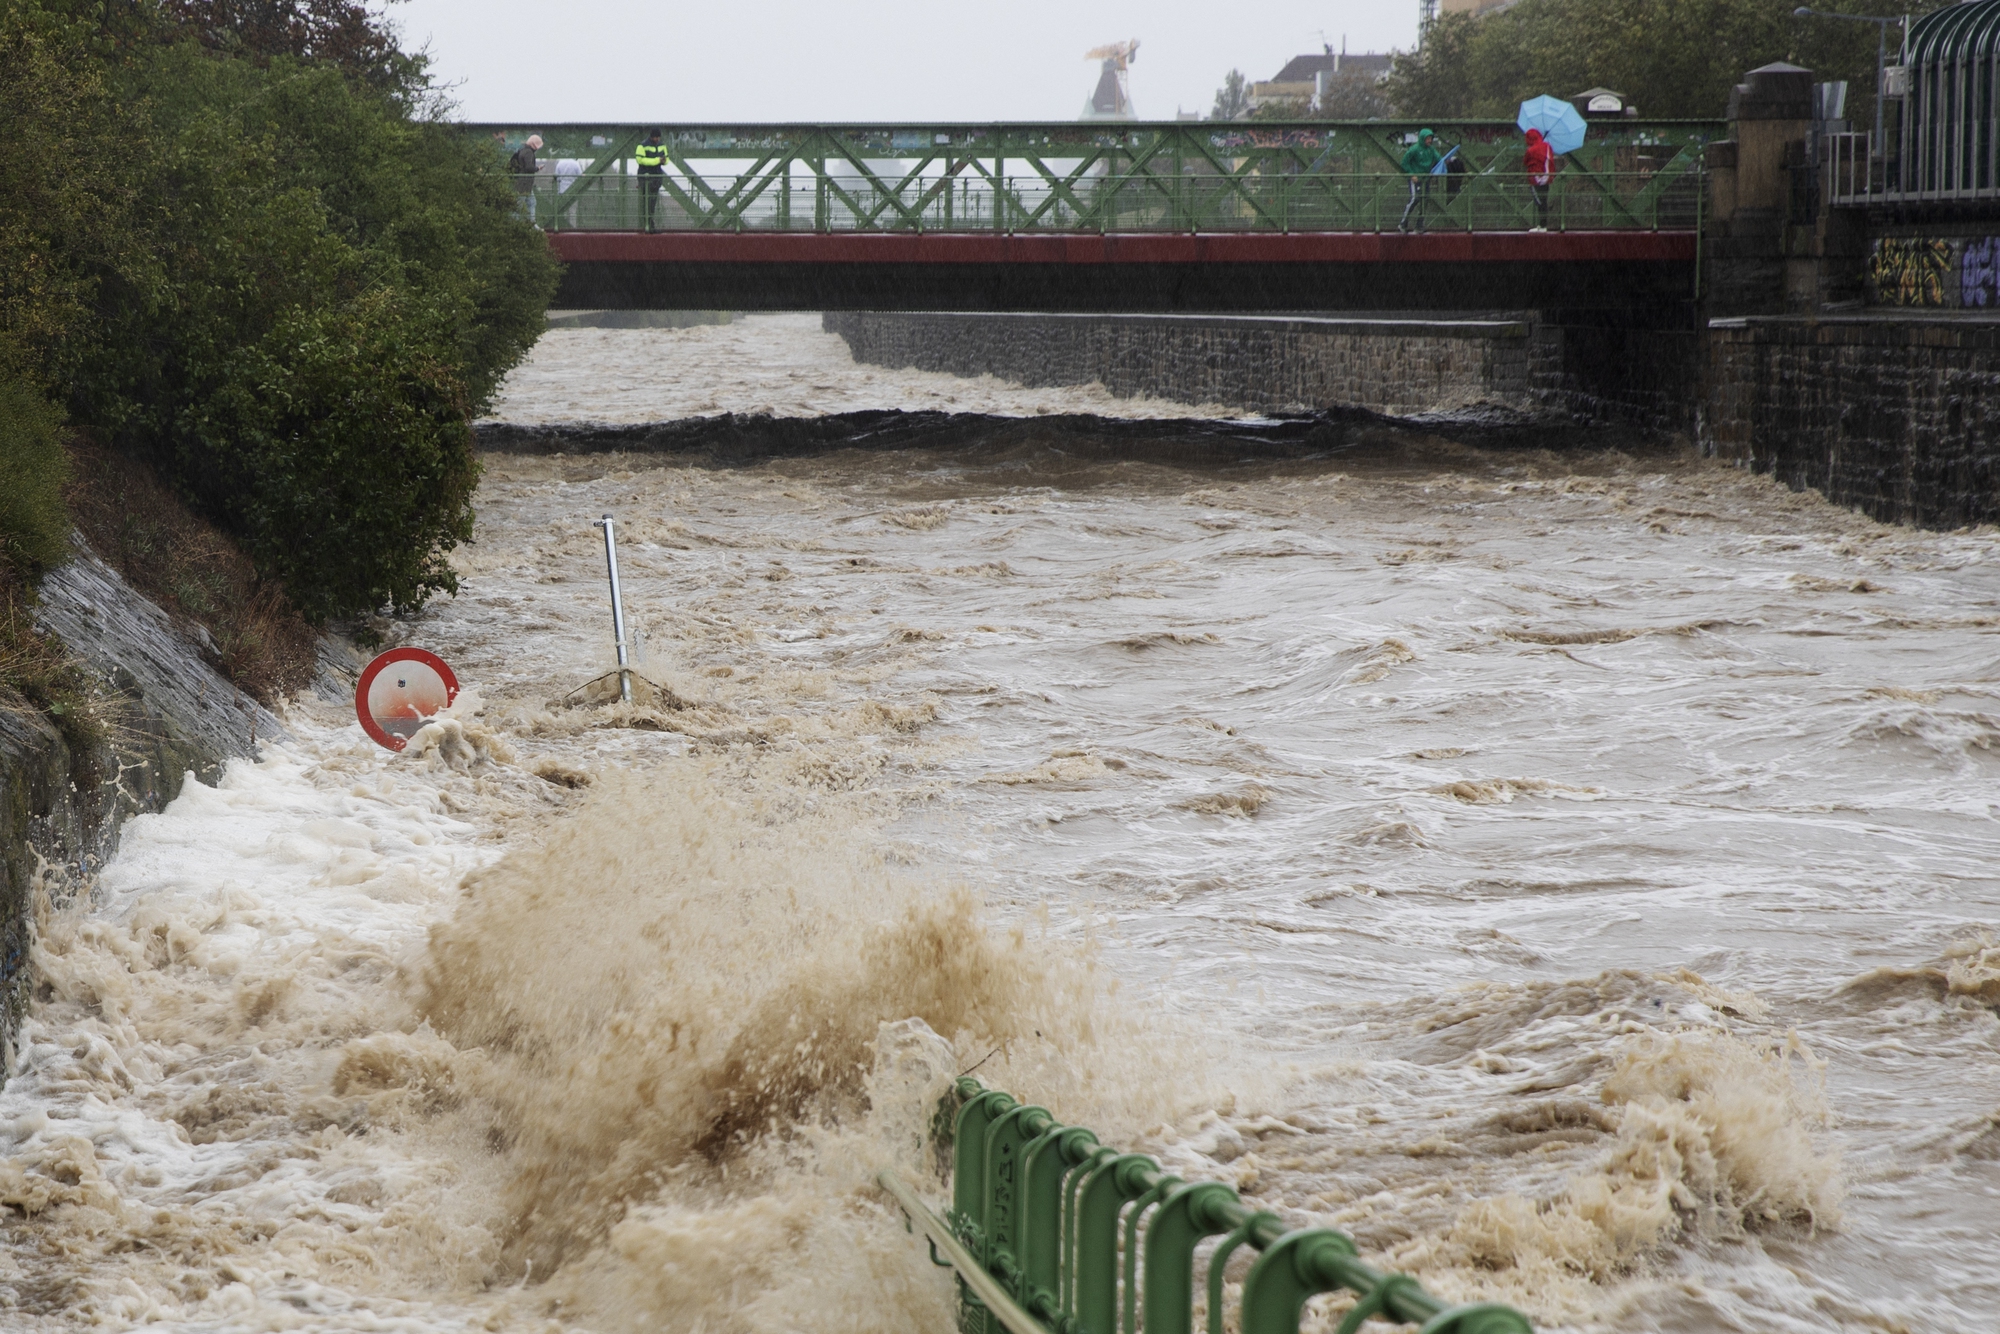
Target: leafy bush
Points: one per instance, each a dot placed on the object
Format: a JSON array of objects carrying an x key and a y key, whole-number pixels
[
  {"x": 290, "y": 294},
  {"x": 62, "y": 216},
  {"x": 334, "y": 290},
  {"x": 331, "y": 440},
  {"x": 34, "y": 525},
  {"x": 1672, "y": 58}
]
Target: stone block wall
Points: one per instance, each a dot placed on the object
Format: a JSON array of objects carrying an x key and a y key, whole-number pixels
[
  {"x": 1258, "y": 363},
  {"x": 1898, "y": 417},
  {"x": 1600, "y": 367},
  {"x": 1586, "y": 366}
]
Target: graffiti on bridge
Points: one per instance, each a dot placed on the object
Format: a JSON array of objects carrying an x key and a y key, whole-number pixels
[
  {"x": 1979, "y": 272},
  {"x": 1940, "y": 272}
]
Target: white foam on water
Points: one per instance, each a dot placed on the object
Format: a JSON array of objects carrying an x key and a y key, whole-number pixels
[
  {"x": 1571, "y": 875},
  {"x": 172, "y": 1129},
  {"x": 781, "y": 365}
]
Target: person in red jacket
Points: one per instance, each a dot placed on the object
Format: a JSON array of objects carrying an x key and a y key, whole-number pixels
[{"x": 1540, "y": 164}]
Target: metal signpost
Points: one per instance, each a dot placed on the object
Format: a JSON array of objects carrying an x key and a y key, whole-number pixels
[{"x": 607, "y": 523}]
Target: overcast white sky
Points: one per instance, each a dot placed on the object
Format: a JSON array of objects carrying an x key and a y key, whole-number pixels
[{"x": 764, "y": 60}]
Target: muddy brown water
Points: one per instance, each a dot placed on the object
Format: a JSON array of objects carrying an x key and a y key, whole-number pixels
[{"x": 1568, "y": 872}]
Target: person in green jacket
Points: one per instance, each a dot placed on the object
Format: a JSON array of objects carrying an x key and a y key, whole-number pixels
[{"x": 1417, "y": 163}]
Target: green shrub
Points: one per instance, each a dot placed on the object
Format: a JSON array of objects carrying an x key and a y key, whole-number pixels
[
  {"x": 331, "y": 441},
  {"x": 289, "y": 298},
  {"x": 34, "y": 525},
  {"x": 62, "y": 216},
  {"x": 332, "y": 290},
  {"x": 1670, "y": 58}
]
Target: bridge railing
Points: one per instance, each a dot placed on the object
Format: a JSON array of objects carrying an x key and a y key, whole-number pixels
[
  {"x": 1176, "y": 177},
  {"x": 1051, "y": 1232},
  {"x": 1910, "y": 168},
  {"x": 1488, "y": 201}
]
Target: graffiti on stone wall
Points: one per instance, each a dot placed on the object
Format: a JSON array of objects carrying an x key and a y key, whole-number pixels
[
  {"x": 1942, "y": 271},
  {"x": 1911, "y": 271},
  {"x": 1979, "y": 272}
]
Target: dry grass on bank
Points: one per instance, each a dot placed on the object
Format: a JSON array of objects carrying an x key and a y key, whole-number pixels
[
  {"x": 38, "y": 676},
  {"x": 243, "y": 623}
]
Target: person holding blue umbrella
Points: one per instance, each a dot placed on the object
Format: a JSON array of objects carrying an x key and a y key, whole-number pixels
[
  {"x": 1553, "y": 128},
  {"x": 1540, "y": 164}
]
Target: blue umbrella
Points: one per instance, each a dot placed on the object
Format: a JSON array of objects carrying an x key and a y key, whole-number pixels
[{"x": 1556, "y": 119}]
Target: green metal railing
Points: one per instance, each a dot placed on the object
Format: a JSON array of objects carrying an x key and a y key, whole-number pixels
[
  {"x": 1038, "y": 1209},
  {"x": 1139, "y": 177}
]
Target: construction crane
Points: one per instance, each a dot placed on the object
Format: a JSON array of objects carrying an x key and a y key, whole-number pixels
[{"x": 1113, "y": 98}]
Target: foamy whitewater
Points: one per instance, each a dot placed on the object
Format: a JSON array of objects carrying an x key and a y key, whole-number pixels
[
  {"x": 777, "y": 364},
  {"x": 1570, "y": 874}
]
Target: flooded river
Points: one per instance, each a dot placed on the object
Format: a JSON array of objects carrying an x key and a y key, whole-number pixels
[{"x": 1569, "y": 873}]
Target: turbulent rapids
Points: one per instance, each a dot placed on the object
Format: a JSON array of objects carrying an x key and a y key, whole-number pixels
[{"x": 1569, "y": 873}]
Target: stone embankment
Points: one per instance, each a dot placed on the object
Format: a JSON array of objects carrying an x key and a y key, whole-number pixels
[
  {"x": 1896, "y": 413},
  {"x": 1896, "y": 416},
  {"x": 1851, "y": 348},
  {"x": 1558, "y": 367},
  {"x": 1399, "y": 366},
  {"x": 170, "y": 714}
]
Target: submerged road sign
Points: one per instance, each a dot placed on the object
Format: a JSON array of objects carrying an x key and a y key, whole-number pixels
[{"x": 400, "y": 691}]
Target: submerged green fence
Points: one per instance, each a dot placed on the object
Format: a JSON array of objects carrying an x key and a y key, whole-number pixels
[
  {"x": 1038, "y": 1209},
  {"x": 1139, "y": 177}
]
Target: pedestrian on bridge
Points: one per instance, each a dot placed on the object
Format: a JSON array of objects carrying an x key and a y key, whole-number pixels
[
  {"x": 652, "y": 159},
  {"x": 1417, "y": 164},
  {"x": 1540, "y": 164},
  {"x": 524, "y": 166}
]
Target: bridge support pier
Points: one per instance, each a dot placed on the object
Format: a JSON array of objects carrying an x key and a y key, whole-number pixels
[{"x": 1847, "y": 350}]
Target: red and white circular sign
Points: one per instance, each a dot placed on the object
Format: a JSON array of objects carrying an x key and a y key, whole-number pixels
[{"x": 399, "y": 691}]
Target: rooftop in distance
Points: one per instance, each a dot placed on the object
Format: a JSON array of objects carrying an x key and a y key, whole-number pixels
[{"x": 1306, "y": 79}]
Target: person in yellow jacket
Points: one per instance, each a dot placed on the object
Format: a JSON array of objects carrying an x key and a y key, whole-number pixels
[{"x": 652, "y": 158}]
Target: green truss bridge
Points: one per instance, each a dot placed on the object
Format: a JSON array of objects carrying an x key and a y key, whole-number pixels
[{"x": 1185, "y": 215}]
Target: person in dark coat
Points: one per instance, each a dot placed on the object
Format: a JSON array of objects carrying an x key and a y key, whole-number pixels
[
  {"x": 1455, "y": 172},
  {"x": 523, "y": 166}
]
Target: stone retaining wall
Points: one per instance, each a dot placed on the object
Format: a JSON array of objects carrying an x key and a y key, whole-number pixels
[
  {"x": 1897, "y": 416},
  {"x": 1258, "y": 363},
  {"x": 1585, "y": 366}
]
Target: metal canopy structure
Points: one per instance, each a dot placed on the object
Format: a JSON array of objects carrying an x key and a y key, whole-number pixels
[
  {"x": 1188, "y": 177},
  {"x": 1946, "y": 147},
  {"x": 1949, "y": 140}
]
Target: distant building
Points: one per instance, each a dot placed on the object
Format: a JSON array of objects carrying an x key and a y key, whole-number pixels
[
  {"x": 1305, "y": 78},
  {"x": 1305, "y": 69},
  {"x": 1476, "y": 8}
]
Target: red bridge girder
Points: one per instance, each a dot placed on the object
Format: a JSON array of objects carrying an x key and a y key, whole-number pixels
[
  {"x": 1626, "y": 275},
  {"x": 594, "y": 247}
]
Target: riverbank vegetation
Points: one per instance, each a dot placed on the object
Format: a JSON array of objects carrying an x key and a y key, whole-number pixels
[
  {"x": 1671, "y": 58},
  {"x": 242, "y": 254}
]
